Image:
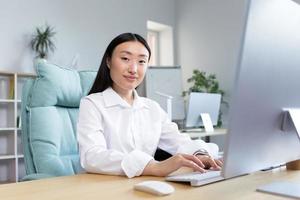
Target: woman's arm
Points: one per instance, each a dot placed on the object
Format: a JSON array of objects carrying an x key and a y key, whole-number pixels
[
  {"x": 172, "y": 141},
  {"x": 197, "y": 163},
  {"x": 183, "y": 148},
  {"x": 163, "y": 168}
]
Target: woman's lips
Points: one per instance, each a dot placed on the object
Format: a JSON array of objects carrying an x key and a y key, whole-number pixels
[{"x": 131, "y": 78}]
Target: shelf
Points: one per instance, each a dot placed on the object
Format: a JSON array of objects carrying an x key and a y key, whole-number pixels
[
  {"x": 26, "y": 75},
  {"x": 12, "y": 166},
  {"x": 7, "y": 129},
  {"x": 6, "y": 73},
  {"x": 7, "y": 100},
  {"x": 7, "y": 115},
  {"x": 22, "y": 74},
  {"x": 5, "y": 157},
  {"x": 20, "y": 156}
]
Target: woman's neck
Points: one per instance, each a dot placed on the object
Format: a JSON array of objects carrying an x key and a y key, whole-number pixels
[{"x": 127, "y": 95}]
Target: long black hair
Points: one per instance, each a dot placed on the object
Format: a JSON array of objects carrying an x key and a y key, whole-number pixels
[{"x": 103, "y": 79}]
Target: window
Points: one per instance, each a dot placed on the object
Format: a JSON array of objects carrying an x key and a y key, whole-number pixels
[
  {"x": 152, "y": 38},
  {"x": 160, "y": 40}
]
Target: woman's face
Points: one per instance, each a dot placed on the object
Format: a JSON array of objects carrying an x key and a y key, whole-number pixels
[{"x": 128, "y": 65}]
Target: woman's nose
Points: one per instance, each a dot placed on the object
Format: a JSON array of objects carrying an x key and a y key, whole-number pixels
[{"x": 132, "y": 68}]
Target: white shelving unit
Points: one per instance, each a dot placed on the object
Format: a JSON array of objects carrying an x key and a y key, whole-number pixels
[{"x": 11, "y": 152}]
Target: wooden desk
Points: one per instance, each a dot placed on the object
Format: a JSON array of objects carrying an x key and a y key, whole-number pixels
[{"x": 98, "y": 187}]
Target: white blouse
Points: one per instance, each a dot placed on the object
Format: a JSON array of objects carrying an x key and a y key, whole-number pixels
[{"x": 117, "y": 138}]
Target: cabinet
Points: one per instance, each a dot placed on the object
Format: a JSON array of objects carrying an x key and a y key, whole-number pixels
[{"x": 11, "y": 152}]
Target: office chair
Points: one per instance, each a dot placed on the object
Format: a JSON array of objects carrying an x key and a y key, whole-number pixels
[{"x": 50, "y": 105}]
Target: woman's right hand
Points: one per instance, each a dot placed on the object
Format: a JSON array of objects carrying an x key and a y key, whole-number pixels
[{"x": 175, "y": 162}]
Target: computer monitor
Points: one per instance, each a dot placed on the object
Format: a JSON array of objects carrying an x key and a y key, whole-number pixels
[
  {"x": 267, "y": 82},
  {"x": 202, "y": 103}
]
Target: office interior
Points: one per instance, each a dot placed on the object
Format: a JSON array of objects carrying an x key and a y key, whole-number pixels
[
  {"x": 203, "y": 35},
  {"x": 193, "y": 34}
]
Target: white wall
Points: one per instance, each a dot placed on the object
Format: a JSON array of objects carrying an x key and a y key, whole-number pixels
[
  {"x": 207, "y": 32},
  {"x": 83, "y": 27},
  {"x": 208, "y": 36}
]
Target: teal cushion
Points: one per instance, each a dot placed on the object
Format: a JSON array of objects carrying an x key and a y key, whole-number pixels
[
  {"x": 50, "y": 114},
  {"x": 32, "y": 177},
  {"x": 86, "y": 80},
  {"x": 30, "y": 168},
  {"x": 53, "y": 140},
  {"x": 61, "y": 86}
]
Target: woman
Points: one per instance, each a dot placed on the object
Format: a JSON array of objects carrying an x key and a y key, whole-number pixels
[{"x": 119, "y": 132}]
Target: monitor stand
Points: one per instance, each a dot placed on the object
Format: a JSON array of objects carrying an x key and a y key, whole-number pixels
[
  {"x": 282, "y": 188},
  {"x": 207, "y": 123},
  {"x": 291, "y": 120}
]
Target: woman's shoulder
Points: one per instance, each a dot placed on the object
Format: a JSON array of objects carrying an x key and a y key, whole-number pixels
[
  {"x": 149, "y": 102},
  {"x": 95, "y": 98}
]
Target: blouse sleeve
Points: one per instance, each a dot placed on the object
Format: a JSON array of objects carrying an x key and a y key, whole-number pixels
[
  {"x": 173, "y": 141},
  {"x": 95, "y": 157}
]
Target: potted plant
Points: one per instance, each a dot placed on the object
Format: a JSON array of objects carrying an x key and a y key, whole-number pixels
[
  {"x": 206, "y": 83},
  {"x": 42, "y": 41}
]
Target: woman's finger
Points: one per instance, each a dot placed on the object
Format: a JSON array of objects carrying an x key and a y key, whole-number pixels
[
  {"x": 193, "y": 165},
  {"x": 209, "y": 161},
  {"x": 219, "y": 162},
  {"x": 195, "y": 159},
  {"x": 213, "y": 164}
]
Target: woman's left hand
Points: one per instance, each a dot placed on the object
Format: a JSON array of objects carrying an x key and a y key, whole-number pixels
[{"x": 210, "y": 163}]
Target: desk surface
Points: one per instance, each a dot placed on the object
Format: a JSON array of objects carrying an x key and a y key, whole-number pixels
[
  {"x": 92, "y": 186},
  {"x": 197, "y": 133}
]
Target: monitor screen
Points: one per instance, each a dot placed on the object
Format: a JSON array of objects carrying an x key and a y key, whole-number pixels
[
  {"x": 267, "y": 81},
  {"x": 202, "y": 103}
]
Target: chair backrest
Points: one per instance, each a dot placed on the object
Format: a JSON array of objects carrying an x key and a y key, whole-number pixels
[{"x": 50, "y": 105}]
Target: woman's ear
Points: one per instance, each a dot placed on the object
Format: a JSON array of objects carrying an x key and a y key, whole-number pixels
[{"x": 108, "y": 63}]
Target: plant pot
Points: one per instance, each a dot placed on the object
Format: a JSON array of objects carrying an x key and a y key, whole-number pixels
[{"x": 38, "y": 61}]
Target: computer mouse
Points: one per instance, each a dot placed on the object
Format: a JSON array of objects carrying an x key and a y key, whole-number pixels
[{"x": 159, "y": 188}]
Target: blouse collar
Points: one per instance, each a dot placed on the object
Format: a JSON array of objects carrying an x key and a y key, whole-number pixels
[{"x": 112, "y": 98}]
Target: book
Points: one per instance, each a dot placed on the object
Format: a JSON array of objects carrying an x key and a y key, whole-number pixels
[
  {"x": 18, "y": 121},
  {"x": 11, "y": 92}
]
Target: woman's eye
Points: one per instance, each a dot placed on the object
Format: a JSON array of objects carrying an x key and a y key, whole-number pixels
[
  {"x": 142, "y": 62},
  {"x": 124, "y": 58}
]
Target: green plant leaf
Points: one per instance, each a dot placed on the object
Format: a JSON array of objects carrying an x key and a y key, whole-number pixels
[{"x": 42, "y": 42}]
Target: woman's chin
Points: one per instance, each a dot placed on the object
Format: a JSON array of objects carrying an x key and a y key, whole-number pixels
[
  {"x": 129, "y": 87},
  {"x": 126, "y": 85}
]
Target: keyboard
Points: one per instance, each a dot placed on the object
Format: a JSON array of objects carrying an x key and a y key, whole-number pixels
[{"x": 197, "y": 178}]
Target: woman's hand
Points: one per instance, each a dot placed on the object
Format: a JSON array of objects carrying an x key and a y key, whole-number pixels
[
  {"x": 197, "y": 163},
  {"x": 210, "y": 163}
]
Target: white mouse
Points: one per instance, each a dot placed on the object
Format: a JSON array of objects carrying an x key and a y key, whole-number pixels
[{"x": 155, "y": 187}]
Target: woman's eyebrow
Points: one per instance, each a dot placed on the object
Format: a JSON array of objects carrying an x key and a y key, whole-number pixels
[
  {"x": 143, "y": 55},
  {"x": 128, "y": 52}
]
